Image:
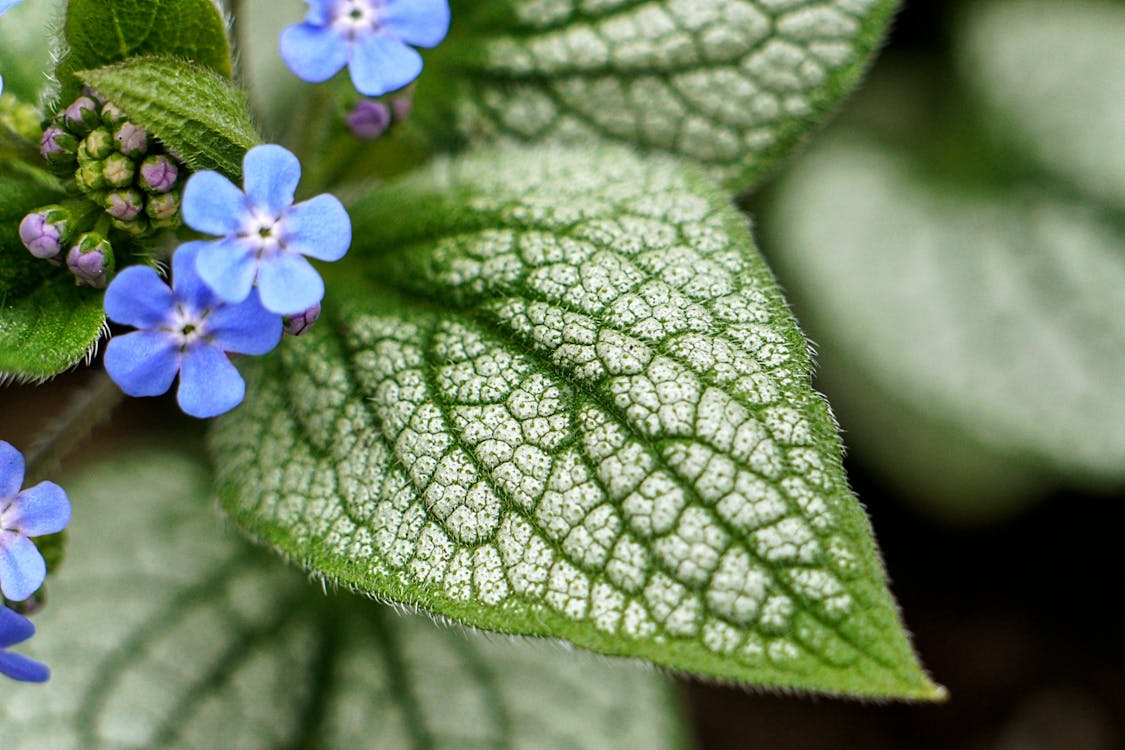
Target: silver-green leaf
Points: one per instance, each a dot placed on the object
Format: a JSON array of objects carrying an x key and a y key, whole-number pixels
[
  {"x": 559, "y": 394},
  {"x": 166, "y": 631},
  {"x": 730, "y": 84}
]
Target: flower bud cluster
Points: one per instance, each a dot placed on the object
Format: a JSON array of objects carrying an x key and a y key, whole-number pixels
[{"x": 126, "y": 182}]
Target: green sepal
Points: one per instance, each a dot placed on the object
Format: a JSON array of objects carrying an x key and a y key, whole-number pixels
[{"x": 198, "y": 114}]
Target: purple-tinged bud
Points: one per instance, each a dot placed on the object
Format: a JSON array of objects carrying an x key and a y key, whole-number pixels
[
  {"x": 91, "y": 260},
  {"x": 124, "y": 204},
  {"x": 297, "y": 324},
  {"x": 119, "y": 170},
  {"x": 100, "y": 100},
  {"x": 402, "y": 107},
  {"x": 369, "y": 119},
  {"x": 91, "y": 176},
  {"x": 132, "y": 140},
  {"x": 58, "y": 146},
  {"x": 158, "y": 174},
  {"x": 163, "y": 208},
  {"x": 82, "y": 116},
  {"x": 95, "y": 146},
  {"x": 112, "y": 115},
  {"x": 43, "y": 232}
]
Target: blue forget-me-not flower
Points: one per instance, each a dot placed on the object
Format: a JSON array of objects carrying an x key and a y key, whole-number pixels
[
  {"x": 186, "y": 330},
  {"x": 15, "y": 628},
  {"x": 374, "y": 38},
  {"x": 5, "y": 5},
  {"x": 36, "y": 511},
  {"x": 264, "y": 236}
]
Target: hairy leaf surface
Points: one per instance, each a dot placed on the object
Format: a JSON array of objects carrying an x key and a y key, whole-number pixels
[
  {"x": 47, "y": 323},
  {"x": 1000, "y": 315},
  {"x": 730, "y": 84},
  {"x": 166, "y": 631},
  {"x": 194, "y": 111},
  {"x": 560, "y": 395},
  {"x": 100, "y": 32}
]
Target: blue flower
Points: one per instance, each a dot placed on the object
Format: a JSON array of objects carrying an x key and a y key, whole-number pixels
[
  {"x": 369, "y": 36},
  {"x": 264, "y": 236},
  {"x": 185, "y": 330},
  {"x": 5, "y": 5},
  {"x": 36, "y": 511},
  {"x": 15, "y": 628}
]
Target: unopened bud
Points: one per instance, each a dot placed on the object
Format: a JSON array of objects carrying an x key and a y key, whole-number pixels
[
  {"x": 96, "y": 146},
  {"x": 402, "y": 107},
  {"x": 163, "y": 208},
  {"x": 91, "y": 260},
  {"x": 137, "y": 226},
  {"x": 82, "y": 116},
  {"x": 124, "y": 204},
  {"x": 297, "y": 324},
  {"x": 132, "y": 140},
  {"x": 158, "y": 174},
  {"x": 119, "y": 170},
  {"x": 91, "y": 176},
  {"x": 44, "y": 231},
  {"x": 58, "y": 147},
  {"x": 369, "y": 119},
  {"x": 112, "y": 115}
]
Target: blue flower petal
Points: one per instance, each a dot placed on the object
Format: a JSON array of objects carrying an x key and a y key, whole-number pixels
[
  {"x": 313, "y": 53},
  {"x": 6, "y": 4},
  {"x": 245, "y": 328},
  {"x": 289, "y": 284},
  {"x": 228, "y": 267},
  {"x": 212, "y": 204},
  {"x": 380, "y": 64},
  {"x": 22, "y": 668},
  {"x": 209, "y": 384},
  {"x": 142, "y": 363},
  {"x": 14, "y": 628},
  {"x": 11, "y": 471},
  {"x": 319, "y": 228},
  {"x": 187, "y": 283},
  {"x": 270, "y": 177},
  {"x": 422, "y": 23},
  {"x": 42, "y": 509},
  {"x": 138, "y": 297},
  {"x": 22, "y": 568}
]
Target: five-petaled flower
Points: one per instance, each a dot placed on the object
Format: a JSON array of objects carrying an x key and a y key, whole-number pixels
[
  {"x": 15, "y": 628},
  {"x": 374, "y": 38},
  {"x": 185, "y": 330},
  {"x": 36, "y": 511},
  {"x": 264, "y": 235}
]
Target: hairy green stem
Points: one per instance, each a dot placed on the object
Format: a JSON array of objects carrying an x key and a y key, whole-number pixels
[{"x": 87, "y": 408}]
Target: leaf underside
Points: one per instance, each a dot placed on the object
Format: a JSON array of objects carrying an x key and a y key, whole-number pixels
[
  {"x": 178, "y": 635},
  {"x": 565, "y": 398},
  {"x": 730, "y": 84}
]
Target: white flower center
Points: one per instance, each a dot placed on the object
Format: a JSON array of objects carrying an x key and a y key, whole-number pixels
[
  {"x": 354, "y": 18},
  {"x": 263, "y": 233},
  {"x": 186, "y": 325}
]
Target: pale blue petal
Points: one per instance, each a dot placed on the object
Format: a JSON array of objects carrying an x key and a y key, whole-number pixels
[
  {"x": 270, "y": 175},
  {"x": 11, "y": 471},
  {"x": 212, "y": 204},
  {"x": 289, "y": 284},
  {"x": 380, "y": 64},
  {"x": 23, "y": 668},
  {"x": 319, "y": 228},
  {"x": 187, "y": 283},
  {"x": 42, "y": 509},
  {"x": 6, "y": 4},
  {"x": 22, "y": 569},
  {"x": 209, "y": 384},
  {"x": 14, "y": 628},
  {"x": 142, "y": 363},
  {"x": 228, "y": 267},
  {"x": 313, "y": 53},
  {"x": 138, "y": 297},
  {"x": 421, "y": 23},
  {"x": 245, "y": 328}
]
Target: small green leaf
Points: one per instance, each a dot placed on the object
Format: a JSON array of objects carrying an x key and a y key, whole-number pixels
[
  {"x": 996, "y": 313},
  {"x": 166, "y": 631},
  {"x": 731, "y": 84},
  {"x": 565, "y": 398},
  {"x": 100, "y": 32},
  {"x": 47, "y": 323},
  {"x": 194, "y": 111}
]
